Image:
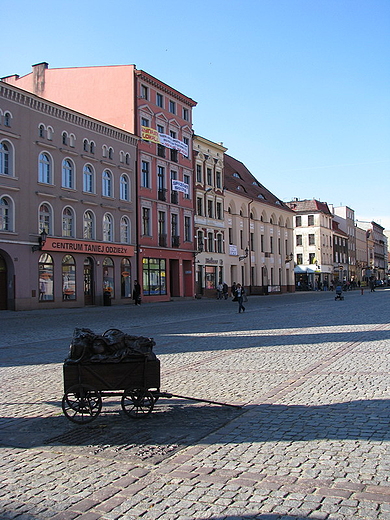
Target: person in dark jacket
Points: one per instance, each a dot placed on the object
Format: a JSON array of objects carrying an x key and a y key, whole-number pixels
[
  {"x": 240, "y": 292},
  {"x": 137, "y": 293}
]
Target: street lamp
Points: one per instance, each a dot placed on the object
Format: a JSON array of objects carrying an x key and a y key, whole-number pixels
[
  {"x": 244, "y": 256},
  {"x": 41, "y": 241}
]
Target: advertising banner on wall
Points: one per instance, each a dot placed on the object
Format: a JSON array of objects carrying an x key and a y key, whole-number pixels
[
  {"x": 149, "y": 134},
  {"x": 180, "y": 186}
]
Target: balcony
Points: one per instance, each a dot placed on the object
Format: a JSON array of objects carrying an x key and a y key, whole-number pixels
[
  {"x": 162, "y": 240},
  {"x": 175, "y": 241},
  {"x": 162, "y": 194},
  {"x": 174, "y": 197}
]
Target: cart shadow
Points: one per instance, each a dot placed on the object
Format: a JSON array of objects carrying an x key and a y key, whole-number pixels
[{"x": 175, "y": 424}]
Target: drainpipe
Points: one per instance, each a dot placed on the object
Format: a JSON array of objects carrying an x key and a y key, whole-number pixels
[{"x": 249, "y": 246}]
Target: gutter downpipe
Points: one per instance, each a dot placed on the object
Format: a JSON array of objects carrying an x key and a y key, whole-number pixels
[{"x": 249, "y": 247}]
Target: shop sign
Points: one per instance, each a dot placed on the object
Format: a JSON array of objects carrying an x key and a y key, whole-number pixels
[
  {"x": 150, "y": 134},
  {"x": 65, "y": 245}
]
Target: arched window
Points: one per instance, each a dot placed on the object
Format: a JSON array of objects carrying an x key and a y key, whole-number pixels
[
  {"x": 68, "y": 278},
  {"x": 127, "y": 159},
  {"x": 46, "y": 278},
  {"x": 89, "y": 225},
  {"x": 6, "y": 214},
  {"x": 88, "y": 179},
  {"x": 92, "y": 147},
  {"x": 107, "y": 184},
  {"x": 41, "y": 129},
  {"x": 6, "y": 162},
  {"x": 45, "y": 219},
  {"x": 85, "y": 145},
  {"x": 110, "y": 153},
  {"x": 68, "y": 174},
  {"x": 72, "y": 140},
  {"x": 125, "y": 278},
  {"x": 50, "y": 133},
  {"x": 104, "y": 150},
  {"x": 124, "y": 187},
  {"x": 108, "y": 276},
  {"x": 108, "y": 231},
  {"x": 45, "y": 168},
  {"x": 64, "y": 138},
  {"x": 7, "y": 119},
  {"x": 68, "y": 224},
  {"x": 125, "y": 230}
]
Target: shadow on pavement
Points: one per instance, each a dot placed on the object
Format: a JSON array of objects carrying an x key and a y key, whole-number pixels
[{"x": 173, "y": 425}]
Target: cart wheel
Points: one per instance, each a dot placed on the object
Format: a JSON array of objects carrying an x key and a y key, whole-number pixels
[
  {"x": 137, "y": 403},
  {"x": 82, "y": 404}
]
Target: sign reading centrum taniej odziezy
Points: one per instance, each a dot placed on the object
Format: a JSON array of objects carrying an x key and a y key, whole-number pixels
[{"x": 80, "y": 246}]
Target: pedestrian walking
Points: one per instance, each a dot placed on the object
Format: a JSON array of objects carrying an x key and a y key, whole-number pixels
[
  {"x": 225, "y": 290},
  {"x": 233, "y": 291},
  {"x": 240, "y": 295},
  {"x": 137, "y": 293},
  {"x": 219, "y": 291}
]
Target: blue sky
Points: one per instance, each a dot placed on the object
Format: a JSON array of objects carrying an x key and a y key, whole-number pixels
[{"x": 298, "y": 90}]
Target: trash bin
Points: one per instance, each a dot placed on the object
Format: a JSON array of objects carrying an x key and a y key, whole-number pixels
[{"x": 106, "y": 298}]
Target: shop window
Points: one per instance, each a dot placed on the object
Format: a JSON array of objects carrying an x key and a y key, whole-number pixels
[
  {"x": 108, "y": 276},
  {"x": 125, "y": 278},
  {"x": 68, "y": 278},
  {"x": 211, "y": 277},
  {"x": 154, "y": 276},
  {"x": 46, "y": 278}
]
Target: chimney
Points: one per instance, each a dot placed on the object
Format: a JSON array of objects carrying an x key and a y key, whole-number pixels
[{"x": 39, "y": 77}]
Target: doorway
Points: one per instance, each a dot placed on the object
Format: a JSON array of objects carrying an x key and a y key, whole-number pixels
[
  {"x": 89, "y": 298},
  {"x": 3, "y": 284}
]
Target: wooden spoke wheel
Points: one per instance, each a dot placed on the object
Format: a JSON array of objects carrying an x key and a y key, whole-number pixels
[
  {"x": 137, "y": 403},
  {"x": 81, "y": 404}
]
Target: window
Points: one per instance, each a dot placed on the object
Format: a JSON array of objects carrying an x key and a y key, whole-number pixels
[
  {"x": 210, "y": 242},
  {"x": 159, "y": 100},
  {"x": 125, "y": 230},
  {"x": 144, "y": 121},
  {"x": 46, "y": 278},
  {"x": 124, "y": 187},
  {"x": 310, "y": 220},
  {"x": 144, "y": 92},
  {"x": 210, "y": 209},
  {"x": 126, "y": 291},
  {"x": 298, "y": 240},
  {"x": 187, "y": 180},
  {"x": 160, "y": 129},
  {"x": 50, "y": 133},
  {"x": 64, "y": 138},
  {"x": 7, "y": 119},
  {"x": 230, "y": 233},
  {"x": 108, "y": 276},
  {"x": 200, "y": 241},
  {"x": 45, "y": 168},
  {"x": 219, "y": 210},
  {"x": 88, "y": 179},
  {"x": 67, "y": 174},
  {"x": 107, "y": 184},
  {"x": 154, "y": 276},
  {"x": 86, "y": 147},
  {"x": 187, "y": 229},
  {"x": 299, "y": 259},
  {"x": 162, "y": 234},
  {"x": 68, "y": 278},
  {"x": 5, "y": 158},
  {"x": 198, "y": 173},
  {"x": 199, "y": 206},
  {"x": 298, "y": 221},
  {"x": 111, "y": 153},
  {"x": 311, "y": 240},
  {"x": 92, "y": 147},
  {"x": 146, "y": 222},
  {"x": 209, "y": 176},
  {"x": 172, "y": 107},
  {"x": 174, "y": 155},
  {"x": 174, "y": 225},
  {"x": 186, "y": 115},
  {"x": 219, "y": 180},
  {"x": 161, "y": 182},
  {"x": 312, "y": 258},
  {"x": 271, "y": 244},
  {"x": 145, "y": 175},
  {"x": 161, "y": 150},
  {"x": 252, "y": 241},
  {"x": 127, "y": 159},
  {"x": 219, "y": 243},
  {"x": 45, "y": 218},
  {"x": 89, "y": 226},
  {"x": 186, "y": 141},
  {"x": 262, "y": 243},
  {"x": 41, "y": 129},
  {"x": 108, "y": 228},
  {"x": 6, "y": 217},
  {"x": 68, "y": 224}
]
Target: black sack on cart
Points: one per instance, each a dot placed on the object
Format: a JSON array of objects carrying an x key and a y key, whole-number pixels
[{"x": 113, "y": 346}]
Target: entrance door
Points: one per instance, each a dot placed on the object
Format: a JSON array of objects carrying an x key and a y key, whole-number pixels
[
  {"x": 88, "y": 282},
  {"x": 3, "y": 284}
]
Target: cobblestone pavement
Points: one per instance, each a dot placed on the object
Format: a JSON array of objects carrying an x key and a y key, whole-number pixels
[{"x": 310, "y": 441}]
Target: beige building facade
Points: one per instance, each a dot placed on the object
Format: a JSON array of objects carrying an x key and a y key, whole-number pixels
[{"x": 67, "y": 206}]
